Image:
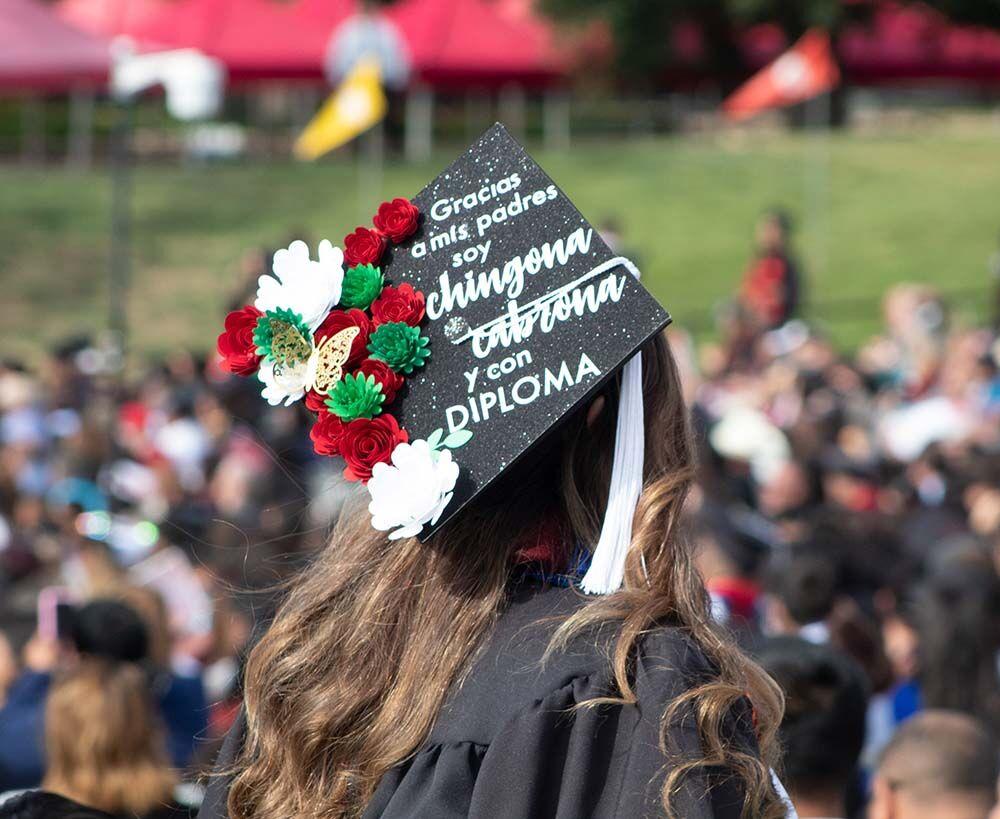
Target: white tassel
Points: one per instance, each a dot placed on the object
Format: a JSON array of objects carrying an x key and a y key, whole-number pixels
[{"x": 607, "y": 566}]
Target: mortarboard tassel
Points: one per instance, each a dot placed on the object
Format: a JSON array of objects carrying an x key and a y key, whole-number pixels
[{"x": 607, "y": 566}]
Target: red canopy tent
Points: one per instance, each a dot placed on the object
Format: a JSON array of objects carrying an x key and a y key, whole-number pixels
[
  {"x": 899, "y": 43},
  {"x": 40, "y": 52},
  {"x": 255, "y": 39},
  {"x": 263, "y": 39},
  {"x": 451, "y": 42},
  {"x": 478, "y": 42},
  {"x": 916, "y": 42}
]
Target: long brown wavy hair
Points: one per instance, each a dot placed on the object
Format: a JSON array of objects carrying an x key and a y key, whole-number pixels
[
  {"x": 352, "y": 673},
  {"x": 104, "y": 746}
]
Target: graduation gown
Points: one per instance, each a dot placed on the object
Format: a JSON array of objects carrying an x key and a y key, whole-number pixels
[{"x": 509, "y": 744}]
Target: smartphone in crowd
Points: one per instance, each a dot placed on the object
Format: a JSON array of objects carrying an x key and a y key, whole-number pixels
[{"x": 55, "y": 613}]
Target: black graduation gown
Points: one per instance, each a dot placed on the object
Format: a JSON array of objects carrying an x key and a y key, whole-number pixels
[
  {"x": 37, "y": 803},
  {"x": 509, "y": 745}
]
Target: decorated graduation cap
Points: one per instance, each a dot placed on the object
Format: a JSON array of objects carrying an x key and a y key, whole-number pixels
[{"x": 452, "y": 335}]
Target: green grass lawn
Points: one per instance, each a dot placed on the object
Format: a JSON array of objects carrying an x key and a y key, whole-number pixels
[{"x": 871, "y": 211}]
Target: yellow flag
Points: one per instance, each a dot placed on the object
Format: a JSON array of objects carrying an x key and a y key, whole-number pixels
[{"x": 354, "y": 107}]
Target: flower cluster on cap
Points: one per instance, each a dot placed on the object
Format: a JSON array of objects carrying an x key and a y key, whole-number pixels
[{"x": 332, "y": 332}]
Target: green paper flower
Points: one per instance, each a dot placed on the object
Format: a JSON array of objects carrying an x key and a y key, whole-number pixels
[
  {"x": 282, "y": 336},
  {"x": 362, "y": 285},
  {"x": 400, "y": 346},
  {"x": 356, "y": 396}
]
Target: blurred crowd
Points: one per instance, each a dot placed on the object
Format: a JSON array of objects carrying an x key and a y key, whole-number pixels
[
  {"x": 143, "y": 526},
  {"x": 846, "y": 520}
]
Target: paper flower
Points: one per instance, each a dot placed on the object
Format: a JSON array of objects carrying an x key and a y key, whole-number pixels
[
  {"x": 236, "y": 344},
  {"x": 364, "y": 246},
  {"x": 326, "y": 433},
  {"x": 302, "y": 285},
  {"x": 401, "y": 303},
  {"x": 365, "y": 443},
  {"x": 356, "y": 396},
  {"x": 316, "y": 402},
  {"x": 413, "y": 491},
  {"x": 397, "y": 219},
  {"x": 400, "y": 346},
  {"x": 284, "y": 384},
  {"x": 390, "y": 381},
  {"x": 362, "y": 285}
]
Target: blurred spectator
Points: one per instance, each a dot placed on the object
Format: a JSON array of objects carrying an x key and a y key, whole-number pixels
[
  {"x": 823, "y": 728},
  {"x": 729, "y": 559},
  {"x": 103, "y": 745},
  {"x": 957, "y": 616},
  {"x": 804, "y": 588},
  {"x": 177, "y": 686},
  {"x": 8, "y": 668},
  {"x": 788, "y": 490},
  {"x": 939, "y": 765},
  {"x": 611, "y": 233},
  {"x": 101, "y": 629},
  {"x": 771, "y": 287},
  {"x": 993, "y": 268}
]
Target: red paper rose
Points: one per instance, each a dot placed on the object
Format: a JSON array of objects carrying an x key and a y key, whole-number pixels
[
  {"x": 401, "y": 303},
  {"x": 364, "y": 246},
  {"x": 315, "y": 402},
  {"x": 327, "y": 433},
  {"x": 341, "y": 319},
  {"x": 365, "y": 443},
  {"x": 397, "y": 219},
  {"x": 236, "y": 344},
  {"x": 391, "y": 381}
]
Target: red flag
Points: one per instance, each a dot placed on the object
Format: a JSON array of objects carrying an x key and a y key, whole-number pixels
[{"x": 804, "y": 71}]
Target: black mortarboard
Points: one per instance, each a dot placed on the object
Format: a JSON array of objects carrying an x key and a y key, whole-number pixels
[{"x": 528, "y": 311}]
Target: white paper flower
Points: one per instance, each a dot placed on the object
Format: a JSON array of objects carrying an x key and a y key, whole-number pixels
[
  {"x": 307, "y": 287},
  {"x": 413, "y": 491},
  {"x": 285, "y": 385}
]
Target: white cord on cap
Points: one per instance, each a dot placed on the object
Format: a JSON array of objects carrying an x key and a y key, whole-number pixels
[{"x": 607, "y": 566}]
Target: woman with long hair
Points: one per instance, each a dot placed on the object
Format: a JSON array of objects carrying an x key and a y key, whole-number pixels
[
  {"x": 468, "y": 677},
  {"x": 103, "y": 744}
]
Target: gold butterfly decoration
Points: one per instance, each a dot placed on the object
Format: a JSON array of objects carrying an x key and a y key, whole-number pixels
[
  {"x": 288, "y": 345},
  {"x": 331, "y": 356}
]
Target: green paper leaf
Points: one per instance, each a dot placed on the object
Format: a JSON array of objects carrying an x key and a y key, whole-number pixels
[
  {"x": 459, "y": 438},
  {"x": 435, "y": 438}
]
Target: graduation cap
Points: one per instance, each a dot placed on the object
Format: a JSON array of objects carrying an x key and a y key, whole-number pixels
[{"x": 494, "y": 315}]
